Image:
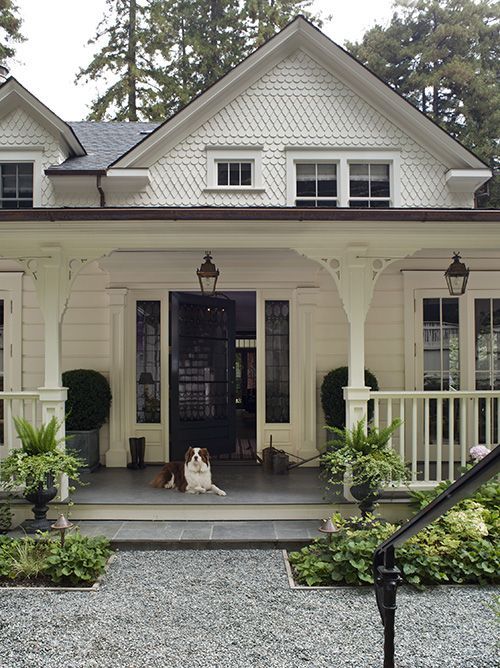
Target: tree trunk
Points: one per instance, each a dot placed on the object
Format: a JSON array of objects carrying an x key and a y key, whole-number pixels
[{"x": 131, "y": 61}]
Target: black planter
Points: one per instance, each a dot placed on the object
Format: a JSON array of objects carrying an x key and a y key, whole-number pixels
[
  {"x": 367, "y": 497},
  {"x": 40, "y": 497},
  {"x": 85, "y": 444}
]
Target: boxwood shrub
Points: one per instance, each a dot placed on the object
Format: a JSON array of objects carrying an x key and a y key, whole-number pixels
[
  {"x": 332, "y": 395},
  {"x": 89, "y": 399}
]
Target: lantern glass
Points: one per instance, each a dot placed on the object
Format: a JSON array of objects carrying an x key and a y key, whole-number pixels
[
  {"x": 207, "y": 276},
  {"x": 456, "y": 277}
]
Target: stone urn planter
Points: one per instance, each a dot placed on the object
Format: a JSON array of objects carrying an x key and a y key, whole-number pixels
[
  {"x": 366, "y": 496},
  {"x": 40, "y": 497}
]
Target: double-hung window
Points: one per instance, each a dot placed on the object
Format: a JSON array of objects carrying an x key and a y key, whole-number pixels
[
  {"x": 316, "y": 184},
  {"x": 369, "y": 185},
  {"x": 16, "y": 185}
]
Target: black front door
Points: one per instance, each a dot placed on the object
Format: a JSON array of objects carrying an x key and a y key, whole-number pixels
[{"x": 202, "y": 374}]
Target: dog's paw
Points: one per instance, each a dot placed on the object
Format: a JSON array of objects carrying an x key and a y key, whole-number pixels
[{"x": 220, "y": 492}]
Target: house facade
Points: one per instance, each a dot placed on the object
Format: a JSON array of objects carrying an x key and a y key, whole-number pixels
[{"x": 331, "y": 208}]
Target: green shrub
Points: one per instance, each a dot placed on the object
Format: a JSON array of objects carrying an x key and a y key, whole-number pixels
[
  {"x": 89, "y": 399},
  {"x": 332, "y": 395},
  {"x": 460, "y": 547},
  {"x": 81, "y": 560}
]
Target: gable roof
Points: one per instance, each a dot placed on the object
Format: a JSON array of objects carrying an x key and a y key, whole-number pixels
[
  {"x": 301, "y": 34},
  {"x": 13, "y": 96}
]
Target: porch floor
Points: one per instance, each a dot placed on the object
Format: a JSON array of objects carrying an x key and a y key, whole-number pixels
[{"x": 244, "y": 484}]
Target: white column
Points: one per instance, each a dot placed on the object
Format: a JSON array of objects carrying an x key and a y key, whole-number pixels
[
  {"x": 307, "y": 300},
  {"x": 117, "y": 453}
]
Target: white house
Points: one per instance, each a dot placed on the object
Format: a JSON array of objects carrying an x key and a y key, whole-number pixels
[{"x": 331, "y": 207}]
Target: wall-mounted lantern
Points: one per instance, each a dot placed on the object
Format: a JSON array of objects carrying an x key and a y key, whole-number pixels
[
  {"x": 208, "y": 275},
  {"x": 456, "y": 276}
]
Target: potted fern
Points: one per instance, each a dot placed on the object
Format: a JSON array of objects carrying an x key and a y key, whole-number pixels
[
  {"x": 366, "y": 456},
  {"x": 36, "y": 466}
]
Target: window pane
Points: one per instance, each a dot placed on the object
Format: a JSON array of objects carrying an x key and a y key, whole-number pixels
[
  {"x": 358, "y": 180},
  {"x": 222, "y": 173},
  {"x": 234, "y": 173},
  {"x": 148, "y": 353},
  {"x": 359, "y": 204},
  {"x": 327, "y": 180},
  {"x": 379, "y": 180},
  {"x": 483, "y": 342},
  {"x": 246, "y": 174},
  {"x": 305, "y": 202},
  {"x": 306, "y": 180},
  {"x": 277, "y": 345},
  {"x": 379, "y": 204},
  {"x": 326, "y": 203},
  {"x": 441, "y": 344}
]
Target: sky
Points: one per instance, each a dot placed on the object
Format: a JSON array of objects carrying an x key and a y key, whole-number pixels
[{"x": 57, "y": 32}]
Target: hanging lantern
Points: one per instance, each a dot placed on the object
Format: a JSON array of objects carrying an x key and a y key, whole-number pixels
[
  {"x": 208, "y": 275},
  {"x": 456, "y": 276}
]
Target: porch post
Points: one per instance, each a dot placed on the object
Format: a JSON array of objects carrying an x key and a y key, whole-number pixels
[
  {"x": 117, "y": 453},
  {"x": 307, "y": 300}
]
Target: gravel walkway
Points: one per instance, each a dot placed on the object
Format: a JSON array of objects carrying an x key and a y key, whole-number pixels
[{"x": 233, "y": 609}]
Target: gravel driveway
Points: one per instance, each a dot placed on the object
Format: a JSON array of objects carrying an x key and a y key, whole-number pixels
[{"x": 233, "y": 609}]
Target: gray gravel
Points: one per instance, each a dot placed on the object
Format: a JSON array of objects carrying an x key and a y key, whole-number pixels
[{"x": 233, "y": 609}]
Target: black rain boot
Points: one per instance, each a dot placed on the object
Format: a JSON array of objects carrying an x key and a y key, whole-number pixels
[
  {"x": 141, "y": 449},
  {"x": 134, "y": 453}
]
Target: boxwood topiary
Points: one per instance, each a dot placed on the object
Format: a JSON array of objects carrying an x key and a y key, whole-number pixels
[
  {"x": 332, "y": 395},
  {"x": 89, "y": 399}
]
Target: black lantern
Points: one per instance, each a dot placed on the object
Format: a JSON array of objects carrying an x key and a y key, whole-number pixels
[
  {"x": 456, "y": 276},
  {"x": 208, "y": 275}
]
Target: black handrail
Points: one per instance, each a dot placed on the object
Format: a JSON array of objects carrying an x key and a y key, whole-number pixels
[{"x": 387, "y": 576}]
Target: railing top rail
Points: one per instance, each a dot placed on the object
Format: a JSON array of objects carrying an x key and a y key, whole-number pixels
[
  {"x": 19, "y": 395},
  {"x": 445, "y": 394}
]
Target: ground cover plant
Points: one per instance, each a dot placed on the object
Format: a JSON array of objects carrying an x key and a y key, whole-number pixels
[
  {"x": 43, "y": 560},
  {"x": 461, "y": 547}
]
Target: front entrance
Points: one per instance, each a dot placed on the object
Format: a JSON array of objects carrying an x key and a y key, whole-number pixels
[{"x": 202, "y": 374}]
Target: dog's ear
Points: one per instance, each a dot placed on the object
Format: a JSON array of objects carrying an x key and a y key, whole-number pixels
[
  {"x": 204, "y": 455},
  {"x": 189, "y": 453}
]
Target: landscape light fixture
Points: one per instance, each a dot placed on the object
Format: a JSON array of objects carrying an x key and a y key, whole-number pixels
[
  {"x": 456, "y": 276},
  {"x": 208, "y": 275},
  {"x": 329, "y": 528},
  {"x": 62, "y": 525}
]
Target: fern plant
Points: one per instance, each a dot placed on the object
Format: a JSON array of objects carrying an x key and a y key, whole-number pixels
[
  {"x": 366, "y": 454},
  {"x": 37, "y": 441}
]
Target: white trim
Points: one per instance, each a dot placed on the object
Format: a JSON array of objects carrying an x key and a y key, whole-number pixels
[
  {"x": 253, "y": 155},
  {"x": 343, "y": 158},
  {"x": 11, "y": 291},
  {"x": 466, "y": 180},
  {"x": 24, "y": 154}
]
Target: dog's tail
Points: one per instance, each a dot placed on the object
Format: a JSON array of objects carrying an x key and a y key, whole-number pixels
[{"x": 162, "y": 478}]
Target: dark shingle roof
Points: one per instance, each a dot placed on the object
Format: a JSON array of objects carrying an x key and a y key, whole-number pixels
[{"x": 104, "y": 142}]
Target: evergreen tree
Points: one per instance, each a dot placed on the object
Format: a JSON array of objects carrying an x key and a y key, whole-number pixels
[
  {"x": 267, "y": 17},
  {"x": 10, "y": 29},
  {"x": 444, "y": 56}
]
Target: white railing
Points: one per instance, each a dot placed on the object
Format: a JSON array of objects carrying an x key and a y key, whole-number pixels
[
  {"x": 16, "y": 404},
  {"x": 438, "y": 429}
]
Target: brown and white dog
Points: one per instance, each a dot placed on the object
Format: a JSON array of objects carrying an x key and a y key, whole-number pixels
[{"x": 192, "y": 476}]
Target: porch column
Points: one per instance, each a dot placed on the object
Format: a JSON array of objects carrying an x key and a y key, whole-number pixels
[
  {"x": 307, "y": 300},
  {"x": 117, "y": 453}
]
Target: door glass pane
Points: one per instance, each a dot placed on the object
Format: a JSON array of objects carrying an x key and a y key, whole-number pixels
[
  {"x": 148, "y": 354},
  {"x": 441, "y": 344},
  {"x": 277, "y": 344},
  {"x": 2, "y": 368}
]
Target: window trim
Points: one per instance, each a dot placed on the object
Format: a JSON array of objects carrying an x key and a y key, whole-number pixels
[
  {"x": 12, "y": 154},
  {"x": 252, "y": 154},
  {"x": 343, "y": 157}
]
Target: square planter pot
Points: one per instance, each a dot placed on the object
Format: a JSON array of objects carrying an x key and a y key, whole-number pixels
[{"x": 85, "y": 444}]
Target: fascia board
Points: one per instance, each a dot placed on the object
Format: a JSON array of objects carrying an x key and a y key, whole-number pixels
[
  {"x": 384, "y": 99},
  {"x": 66, "y": 184},
  {"x": 125, "y": 180},
  {"x": 212, "y": 100},
  {"x": 13, "y": 95}
]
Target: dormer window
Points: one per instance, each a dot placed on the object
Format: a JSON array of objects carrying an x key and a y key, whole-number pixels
[
  {"x": 369, "y": 185},
  {"x": 16, "y": 185}
]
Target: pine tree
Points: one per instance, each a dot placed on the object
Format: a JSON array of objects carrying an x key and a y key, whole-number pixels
[
  {"x": 10, "y": 29},
  {"x": 444, "y": 56},
  {"x": 267, "y": 17}
]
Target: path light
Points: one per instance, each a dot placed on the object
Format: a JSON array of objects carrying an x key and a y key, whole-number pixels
[
  {"x": 456, "y": 276},
  {"x": 329, "y": 528},
  {"x": 208, "y": 275},
  {"x": 62, "y": 525}
]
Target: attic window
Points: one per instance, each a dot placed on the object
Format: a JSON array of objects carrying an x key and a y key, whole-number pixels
[
  {"x": 234, "y": 173},
  {"x": 234, "y": 168},
  {"x": 16, "y": 185}
]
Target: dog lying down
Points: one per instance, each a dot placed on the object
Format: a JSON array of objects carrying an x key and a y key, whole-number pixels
[{"x": 193, "y": 475}]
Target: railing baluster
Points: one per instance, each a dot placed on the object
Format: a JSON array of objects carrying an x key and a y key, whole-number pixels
[
  {"x": 389, "y": 418},
  {"x": 463, "y": 431},
  {"x": 376, "y": 413},
  {"x": 451, "y": 439},
  {"x": 427, "y": 474},
  {"x": 476, "y": 420},
  {"x": 487, "y": 427},
  {"x": 401, "y": 432},
  {"x": 414, "y": 418},
  {"x": 8, "y": 430},
  {"x": 439, "y": 439}
]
